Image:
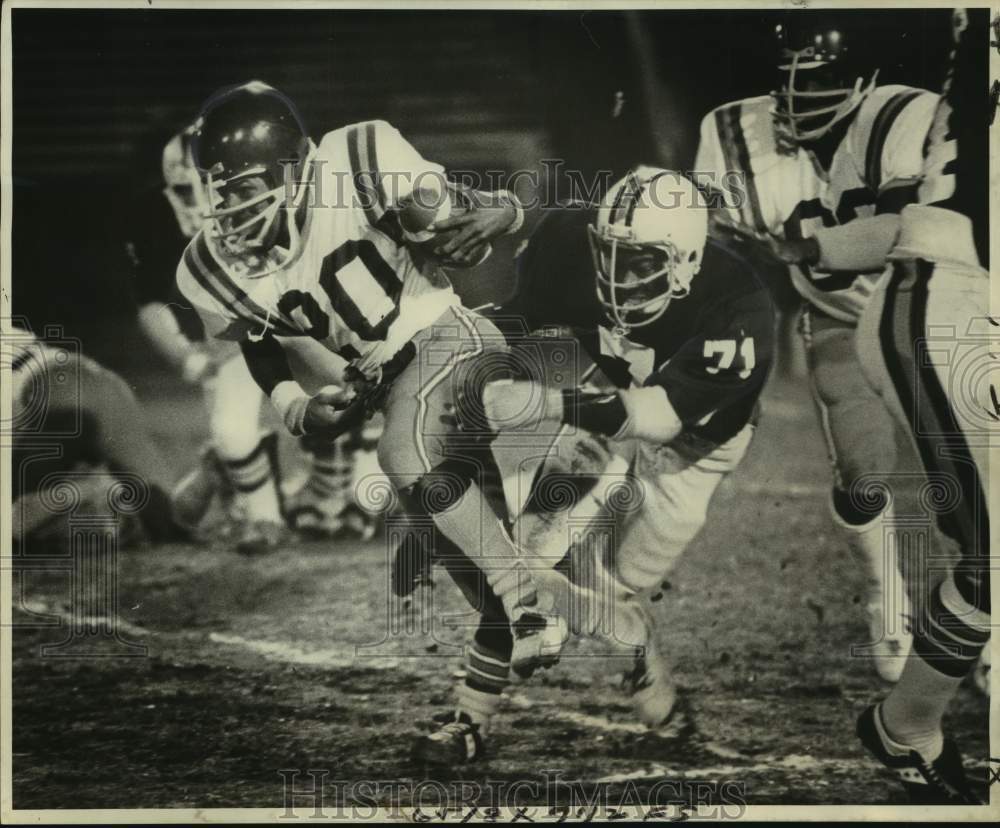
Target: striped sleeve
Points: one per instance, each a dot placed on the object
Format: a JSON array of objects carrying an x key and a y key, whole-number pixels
[
  {"x": 385, "y": 168},
  {"x": 224, "y": 307},
  {"x": 895, "y": 153},
  {"x": 727, "y": 149}
]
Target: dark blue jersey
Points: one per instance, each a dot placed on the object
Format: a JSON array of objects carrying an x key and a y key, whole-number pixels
[{"x": 711, "y": 350}]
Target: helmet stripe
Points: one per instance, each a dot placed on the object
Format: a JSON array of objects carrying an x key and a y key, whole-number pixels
[{"x": 612, "y": 214}]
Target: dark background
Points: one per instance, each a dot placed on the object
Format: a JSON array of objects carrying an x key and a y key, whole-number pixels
[{"x": 98, "y": 92}]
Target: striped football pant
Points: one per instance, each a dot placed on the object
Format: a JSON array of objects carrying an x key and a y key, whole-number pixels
[{"x": 924, "y": 344}]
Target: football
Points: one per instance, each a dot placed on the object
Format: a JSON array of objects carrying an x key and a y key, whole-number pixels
[{"x": 424, "y": 207}]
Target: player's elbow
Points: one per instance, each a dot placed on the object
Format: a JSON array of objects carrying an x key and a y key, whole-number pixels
[{"x": 651, "y": 417}]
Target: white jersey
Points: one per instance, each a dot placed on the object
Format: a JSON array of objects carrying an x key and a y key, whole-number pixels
[
  {"x": 782, "y": 190},
  {"x": 355, "y": 286}
]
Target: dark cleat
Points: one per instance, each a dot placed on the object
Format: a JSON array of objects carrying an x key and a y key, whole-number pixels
[
  {"x": 941, "y": 782},
  {"x": 455, "y": 741}
]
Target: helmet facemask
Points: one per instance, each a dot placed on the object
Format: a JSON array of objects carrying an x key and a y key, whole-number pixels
[
  {"x": 256, "y": 235},
  {"x": 637, "y": 281}
]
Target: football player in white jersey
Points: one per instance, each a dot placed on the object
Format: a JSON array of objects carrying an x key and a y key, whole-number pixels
[
  {"x": 927, "y": 343},
  {"x": 824, "y": 166},
  {"x": 241, "y": 461},
  {"x": 306, "y": 240}
]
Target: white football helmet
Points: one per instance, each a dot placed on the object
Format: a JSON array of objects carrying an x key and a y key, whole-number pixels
[
  {"x": 183, "y": 185},
  {"x": 647, "y": 244}
]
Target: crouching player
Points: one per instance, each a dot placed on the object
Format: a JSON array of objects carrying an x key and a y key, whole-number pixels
[
  {"x": 70, "y": 412},
  {"x": 683, "y": 330},
  {"x": 928, "y": 321}
]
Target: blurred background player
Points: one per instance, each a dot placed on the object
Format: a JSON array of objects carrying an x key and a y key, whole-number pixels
[
  {"x": 921, "y": 340},
  {"x": 70, "y": 414},
  {"x": 683, "y": 332},
  {"x": 826, "y": 163},
  {"x": 241, "y": 461}
]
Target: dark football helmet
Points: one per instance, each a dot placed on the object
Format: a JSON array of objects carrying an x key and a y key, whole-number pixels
[
  {"x": 251, "y": 148},
  {"x": 825, "y": 73}
]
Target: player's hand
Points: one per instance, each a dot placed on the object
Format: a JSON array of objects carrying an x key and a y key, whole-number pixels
[
  {"x": 790, "y": 251},
  {"x": 198, "y": 367},
  {"x": 325, "y": 410},
  {"x": 521, "y": 405},
  {"x": 468, "y": 232}
]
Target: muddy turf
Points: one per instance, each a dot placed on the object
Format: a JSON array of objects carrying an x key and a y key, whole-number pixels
[{"x": 251, "y": 666}]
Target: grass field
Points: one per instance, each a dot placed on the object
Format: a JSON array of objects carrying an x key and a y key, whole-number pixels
[{"x": 252, "y": 665}]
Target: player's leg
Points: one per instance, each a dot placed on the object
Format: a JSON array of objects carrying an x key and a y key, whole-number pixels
[
  {"x": 680, "y": 482},
  {"x": 459, "y": 734},
  {"x": 248, "y": 456},
  {"x": 325, "y": 504},
  {"x": 861, "y": 441},
  {"x": 955, "y": 623},
  {"x": 448, "y": 480},
  {"x": 113, "y": 433},
  {"x": 656, "y": 511}
]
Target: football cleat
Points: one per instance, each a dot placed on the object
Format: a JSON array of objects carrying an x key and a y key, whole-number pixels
[
  {"x": 893, "y": 644},
  {"x": 941, "y": 782},
  {"x": 259, "y": 537},
  {"x": 312, "y": 516},
  {"x": 193, "y": 495},
  {"x": 538, "y": 641},
  {"x": 359, "y": 523},
  {"x": 649, "y": 687},
  {"x": 456, "y": 741}
]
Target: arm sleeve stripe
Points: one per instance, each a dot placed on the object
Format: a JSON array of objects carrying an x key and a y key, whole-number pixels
[
  {"x": 210, "y": 275},
  {"x": 880, "y": 132},
  {"x": 364, "y": 169},
  {"x": 734, "y": 146}
]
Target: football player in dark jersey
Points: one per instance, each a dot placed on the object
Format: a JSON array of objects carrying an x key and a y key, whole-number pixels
[{"x": 683, "y": 331}]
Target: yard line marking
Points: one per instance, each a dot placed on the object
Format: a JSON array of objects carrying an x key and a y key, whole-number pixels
[
  {"x": 291, "y": 654},
  {"x": 786, "y": 489},
  {"x": 795, "y": 762},
  {"x": 597, "y": 722}
]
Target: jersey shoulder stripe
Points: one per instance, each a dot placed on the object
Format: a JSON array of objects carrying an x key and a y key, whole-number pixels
[
  {"x": 212, "y": 278},
  {"x": 881, "y": 126},
  {"x": 736, "y": 149},
  {"x": 362, "y": 151}
]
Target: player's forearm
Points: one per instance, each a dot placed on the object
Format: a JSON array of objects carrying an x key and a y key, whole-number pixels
[
  {"x": 858, "y": 246},
  {"x": 639, "y": 413},
  {"x": 268, "y": 365},
  {"x": 160, "y": 325}
]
